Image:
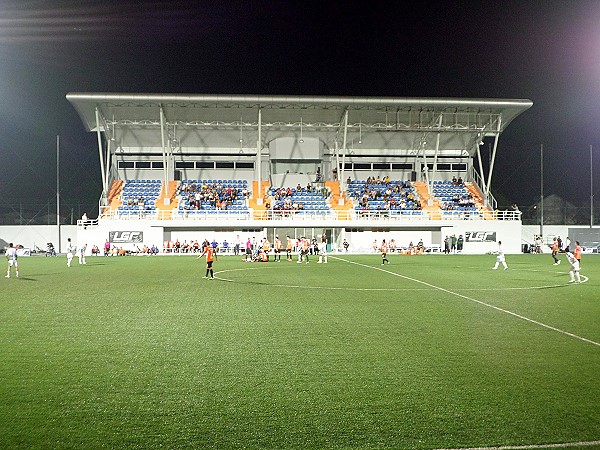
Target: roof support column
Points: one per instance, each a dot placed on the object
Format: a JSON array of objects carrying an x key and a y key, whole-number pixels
[
  {"x": 104, "y": 187},
  {"x": 341, "y": 169},
  {"x": 496, "y": 138},
  {"x": 259, "y": 199},
  {"x": 164, "y": 151},
  {"x": 482, "y": 176},
  {"x": 435, "y": 157}
]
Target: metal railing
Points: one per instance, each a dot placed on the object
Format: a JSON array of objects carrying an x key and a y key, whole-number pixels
[{"x": 305, "y": 215}]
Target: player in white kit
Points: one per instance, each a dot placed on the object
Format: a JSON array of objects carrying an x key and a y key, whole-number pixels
[
  {"x": 323, "y": 251},
  {"x": 71, "y": 249},
  {"x": 11, "y": 257},
  {"x": 500, "y": 259},
  {"x": 574, "y": 270},
  {"x": 81, "y": 254}
]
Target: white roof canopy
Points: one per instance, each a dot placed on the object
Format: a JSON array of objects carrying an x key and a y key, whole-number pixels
[{"x": 194, "y": 123}]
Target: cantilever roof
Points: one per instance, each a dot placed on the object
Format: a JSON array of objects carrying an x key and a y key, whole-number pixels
[{"x": 221, "y": 121}]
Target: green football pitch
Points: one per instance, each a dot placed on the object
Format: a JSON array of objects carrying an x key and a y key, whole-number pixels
[{"x": 428, "y": 352}]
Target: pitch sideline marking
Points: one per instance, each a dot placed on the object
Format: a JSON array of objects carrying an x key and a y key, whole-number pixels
[
  {"x": 532, "y": 446},
  {"x": 506, "y": 311},
  {"x": 334, "y": 288}
]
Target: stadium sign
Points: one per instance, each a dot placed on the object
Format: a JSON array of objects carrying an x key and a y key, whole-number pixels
[
  {"x": 125, "y": 237},
  {"x": 480, "y": 236}
]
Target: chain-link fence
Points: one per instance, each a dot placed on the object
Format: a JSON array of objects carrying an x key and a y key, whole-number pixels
[
  {"x": 559, "y": 215},
  {"x": 44, "y": 213}
]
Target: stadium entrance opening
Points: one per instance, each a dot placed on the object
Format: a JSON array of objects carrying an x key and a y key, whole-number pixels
[{"x": 297, "y": 233}]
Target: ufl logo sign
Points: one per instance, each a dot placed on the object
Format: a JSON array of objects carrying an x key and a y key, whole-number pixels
[
  {"x": 120, "y": 237},
  {"x": 480, "y": 236}
]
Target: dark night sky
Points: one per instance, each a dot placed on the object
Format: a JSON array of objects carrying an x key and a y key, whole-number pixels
[{"x": 546, "y": 51}]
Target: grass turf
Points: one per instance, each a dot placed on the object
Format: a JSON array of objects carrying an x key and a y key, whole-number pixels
[{"x": 428, "y": 352}]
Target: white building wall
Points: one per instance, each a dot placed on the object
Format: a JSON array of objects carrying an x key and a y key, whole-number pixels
[{"x": 31, "y": 236}]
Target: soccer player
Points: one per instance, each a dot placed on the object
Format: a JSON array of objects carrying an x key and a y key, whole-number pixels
[
  {"x": 289, "y": 246},
  {"x": 81, "y": 254},
  {"x": 211, "y": 254},
  {"x": 303, "y": 246},
  {"x": 555, "y": 252},
  {"x": 266, "y": 247},
  {"x": 577, "y": 252},
  {"x": 323, "y": 250},
  {"x": 384, "y": 250},
  {"x": 277, "y": 247},
  {"x": 574, "y": 269},
  {"x": 11, "y": 258},
  {"x": 71, "y": 249},
  {"x": 500, "y": 258}
]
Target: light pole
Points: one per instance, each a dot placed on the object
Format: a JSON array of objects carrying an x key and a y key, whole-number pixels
[
  {"x": 591, "y": 189},
  {"x": 542, "y": 190}
]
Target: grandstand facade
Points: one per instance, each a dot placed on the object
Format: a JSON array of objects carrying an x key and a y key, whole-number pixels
[{"x": 190, "y": 167}]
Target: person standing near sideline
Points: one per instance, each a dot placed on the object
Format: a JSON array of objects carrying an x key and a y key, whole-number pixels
[
  {"x": 211, "y": 254},
  {"x": 71, "y": 249},
  {"x": 574, "y": 269},
  {"x": 384, "y": 250},
  {"x": 289, "y": 246},
  {"x": 81, "y": 254},
  {"x": 555, "y": 252},
  {"x": 11, "y": 258},
  {"x": 567, "y": 245},
  {"x": 323, "y": 250},
  {"x": 577, "y": 252},
  {"x": 500, "y": 258},
  {"x": 277, "y": 247},
  {"x": 236, "y": 248}
]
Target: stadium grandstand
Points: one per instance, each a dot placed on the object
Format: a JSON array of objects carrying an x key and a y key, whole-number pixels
[{"x": 181, "y": 167}]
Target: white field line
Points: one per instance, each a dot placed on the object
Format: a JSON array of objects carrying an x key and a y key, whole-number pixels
[
  {"x": 533, "y": 446},
  {"x": 505, "y": 311},
  {"x": 342, "y": 288}
]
